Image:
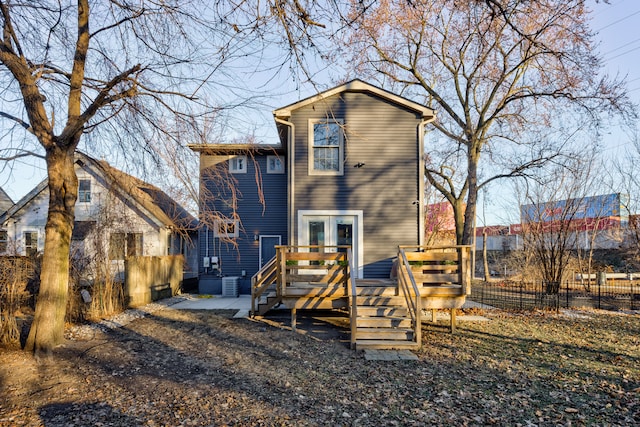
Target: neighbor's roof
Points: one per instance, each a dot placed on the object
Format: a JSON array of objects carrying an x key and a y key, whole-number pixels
[
  {"x": 5, "y": 201},
  {"x": 150, "y": 197},
  {"x": 357, "y": 85},
  {"x": 165, "y": 210}
]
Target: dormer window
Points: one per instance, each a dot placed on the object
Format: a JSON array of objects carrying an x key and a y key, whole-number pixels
[{"x": 326, "y": 149}]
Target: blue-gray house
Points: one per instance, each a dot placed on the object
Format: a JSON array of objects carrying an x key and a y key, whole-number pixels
[{"x": 348, "y": 170}]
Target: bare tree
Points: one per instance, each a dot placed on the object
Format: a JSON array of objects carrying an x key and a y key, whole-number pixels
[
  {"x": 120, "y": 67},
  {"x": 553, "y": 215},
  {"x": 503, "y": 75}
]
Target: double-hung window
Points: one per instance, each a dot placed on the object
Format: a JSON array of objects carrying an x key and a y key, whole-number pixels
[
  {"x": 84, "y": 191},
  {"x": 30, "y": 243},
  {"x": 326, "y": 151}
]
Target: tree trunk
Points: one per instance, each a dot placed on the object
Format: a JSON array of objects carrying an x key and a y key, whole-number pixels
[
  {"x": 47, "y": 329},
  {"x": 472, "y": 199}
]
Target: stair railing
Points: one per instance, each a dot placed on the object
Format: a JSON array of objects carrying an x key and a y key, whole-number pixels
[
  {"x": 352, "y": 293},
  {"x": 261, "y": 281},
  {"x": 409, "y": 289}
]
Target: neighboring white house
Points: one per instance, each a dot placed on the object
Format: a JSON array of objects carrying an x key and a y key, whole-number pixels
[{"x": 116, "y": 215}]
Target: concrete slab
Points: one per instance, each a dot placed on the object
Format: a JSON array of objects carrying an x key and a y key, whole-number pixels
[
  {"x": 389, "y": 355},
  {"x": 214, "y": 302}
]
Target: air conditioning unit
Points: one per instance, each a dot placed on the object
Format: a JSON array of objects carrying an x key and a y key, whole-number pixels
[{"x": 230, "y": 286}]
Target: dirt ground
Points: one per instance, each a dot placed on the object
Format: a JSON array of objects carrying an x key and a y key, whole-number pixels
[{"x": 205, "y": 368}]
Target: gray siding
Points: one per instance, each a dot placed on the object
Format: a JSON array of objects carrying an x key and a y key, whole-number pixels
[
  {"x": 384, "y": 136},
  {"x": 256, "y": 219}
]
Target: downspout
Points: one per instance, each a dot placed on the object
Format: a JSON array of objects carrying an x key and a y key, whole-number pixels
[
  {"x": 291, "y": 180},
  {"x": 421, "y": 184}
]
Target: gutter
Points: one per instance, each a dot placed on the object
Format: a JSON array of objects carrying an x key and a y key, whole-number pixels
[{"x": 291, "y": 180}]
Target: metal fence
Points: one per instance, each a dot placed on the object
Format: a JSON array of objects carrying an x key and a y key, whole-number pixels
[{"x": 612, "y": 295}]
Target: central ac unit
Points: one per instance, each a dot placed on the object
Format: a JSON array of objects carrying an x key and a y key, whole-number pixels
[{"x": 230, "y": 286}]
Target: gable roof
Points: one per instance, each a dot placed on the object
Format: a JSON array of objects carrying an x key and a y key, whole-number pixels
[
  {"x": 149, "y": 197},
  {"x": 5, "y": 201},
  {"x": 357, "y": 85}
]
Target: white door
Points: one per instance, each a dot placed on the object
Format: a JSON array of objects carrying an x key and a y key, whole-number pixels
[{"x": 332, "y": 230}]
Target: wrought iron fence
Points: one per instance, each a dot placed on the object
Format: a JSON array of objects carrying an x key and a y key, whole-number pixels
[{"x": 612, "y": 295}]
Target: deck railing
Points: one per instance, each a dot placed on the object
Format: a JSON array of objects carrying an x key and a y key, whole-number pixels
[
  {"x": 408, "y": 288},
  {"x": 353, "y": 293},
  {"x": 312, "y": 264},
  {"x": 262, "y": 280},
  {"x": 439, "y": 266}
]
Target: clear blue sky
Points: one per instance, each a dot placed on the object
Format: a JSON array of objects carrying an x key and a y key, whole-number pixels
[{"x": 618, "y": 28}]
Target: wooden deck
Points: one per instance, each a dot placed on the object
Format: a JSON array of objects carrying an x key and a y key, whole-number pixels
[{"x": 384, "y": 313}]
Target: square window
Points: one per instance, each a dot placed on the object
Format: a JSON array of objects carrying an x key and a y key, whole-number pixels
[
  {"x": 275, "y": 164},
  {"x": 326, "y": 148},
  {"x": 226, "y": 228},
  {"x": 124, "y": 243},
  {"x": 84, "y": 190},
  {"x": 238, "y": 164}
]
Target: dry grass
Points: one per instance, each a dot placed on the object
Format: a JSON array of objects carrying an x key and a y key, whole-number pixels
[{"x": 204, "y": 368}]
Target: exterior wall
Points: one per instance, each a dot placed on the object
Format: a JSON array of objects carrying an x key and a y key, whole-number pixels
[
  {"x": 256, "y": 219},
  {"x": 32, "y": 218},
  {"x": 113, "y": 215},
  {"x": 384, "y": 137}
]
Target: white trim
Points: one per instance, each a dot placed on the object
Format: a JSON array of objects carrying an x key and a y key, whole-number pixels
[
  {"x": 218, "y": 223},
  {"x": 311, "y": 146},
  {"x": 303, "y": 237},
  {"x": 238, "y": 164},
  {"x": 280, "y": 161},
  {"x": 23, "y": 240},
  {"x": 356, "y": 86}
]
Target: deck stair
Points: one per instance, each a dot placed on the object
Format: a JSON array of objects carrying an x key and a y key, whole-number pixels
[
  {"x": 268, "y": 300},
  {"x": 382, "y": 319}
]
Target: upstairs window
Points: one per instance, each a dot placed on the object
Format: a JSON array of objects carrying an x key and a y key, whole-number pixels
[
  {"x": 84, "y": 191},
  {"x": 275, "y": 164},
  {"x": 226, "y": 228},
  {"x": 327, "y": 148},
  {"x": 238, "y": 164}
]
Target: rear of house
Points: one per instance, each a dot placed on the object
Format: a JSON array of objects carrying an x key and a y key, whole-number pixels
[{"x": 348, "y": 171}]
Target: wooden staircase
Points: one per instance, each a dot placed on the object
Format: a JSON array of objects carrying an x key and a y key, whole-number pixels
[
  {"x": 268, "y": 300},
  {"x": 382, "y": 319},
  {"x": 384, "y": 314}
]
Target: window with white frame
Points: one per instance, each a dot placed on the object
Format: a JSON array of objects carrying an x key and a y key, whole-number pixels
[
  {"x": 84, "y": 191},
  {"x": 226, "y": 228},
  {"x": 275, "y": 164},
  {"x": 326, "y": 147},
  {"x": 30, "y": 243},
  {"x": 238, "y": 164}
]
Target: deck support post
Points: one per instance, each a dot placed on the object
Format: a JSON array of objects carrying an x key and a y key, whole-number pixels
[
  {"x": 293, "y": 319},
  {"x": 453, "y": 320},
  {"x": 434, "y": 315}
]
